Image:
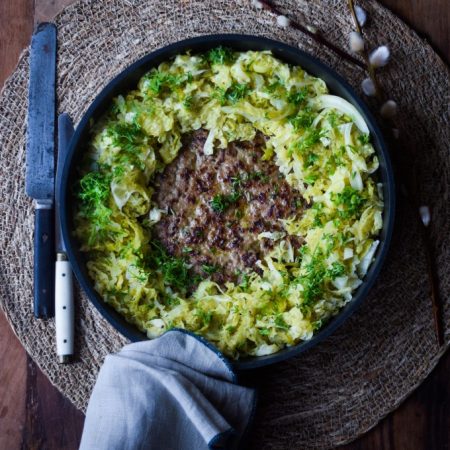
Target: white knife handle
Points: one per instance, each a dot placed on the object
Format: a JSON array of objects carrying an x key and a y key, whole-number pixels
[{"x": 64, "y": 309}]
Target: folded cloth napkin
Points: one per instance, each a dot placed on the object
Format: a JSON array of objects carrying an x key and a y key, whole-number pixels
[{"x": 172, "y": 393}]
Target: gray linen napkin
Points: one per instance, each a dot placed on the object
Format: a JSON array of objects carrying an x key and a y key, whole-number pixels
[{"x": 172, "y": 393}]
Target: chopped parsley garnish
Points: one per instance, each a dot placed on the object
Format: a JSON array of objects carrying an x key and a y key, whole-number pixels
[
  {"x": 264, "y": 331},
  {"x": 337, "y": 270},
  {"x": 244, "y": 279},
  {"x": 364, "y": 139},
  {"x": 275, "y": 86},
  {"x": 158, "y": 81},
  {"x": 174, "y": 270},
  {"x": 240, "y": 180},
  {"x": 129, "y": 137},
  {"x": 318, "y": 215},
  {"x": 280, "y": 323},
  {"x": 317, "y": 324},
  {"x": 350, "y": 200},
  {"x": 220, "y": 55},
  {"x": 233, "y": 94},
  {"x": 256, "y": 175},
  {"x": 138, "y": 273},
  {"x": 209, "y": 269},
  {"x": 221, "y": 202},
  {"x": 308, "y": 140},
  {"x": 310, "y": 179},
  {"x": 205, "y": 317},
  {"x": 311, "y": 159},
  {"x": 332, "y": 119},
  {"x": 94, "y": 188},
  {"x": 94, "y": 194},
  {"x": 299, "y": 97},
  {"x": 237, "y": 91},
  {"x": 302, "y": 120},
  {"x": 315, "y": 278},
  {"x": 187, "y": 102},
  {"x": 313, "y": 281},
  {"x": 171, "y": 300}
]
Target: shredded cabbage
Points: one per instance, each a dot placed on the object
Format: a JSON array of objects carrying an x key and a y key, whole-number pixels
[{"x": 321, "y": 146}]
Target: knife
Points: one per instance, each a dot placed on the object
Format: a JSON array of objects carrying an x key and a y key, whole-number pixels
[
  {"x": 64, "y": 308},
  {"x": 40, "y": 163}
]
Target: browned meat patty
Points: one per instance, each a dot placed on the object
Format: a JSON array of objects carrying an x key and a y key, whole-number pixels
[{"x": 218, "y": 204}]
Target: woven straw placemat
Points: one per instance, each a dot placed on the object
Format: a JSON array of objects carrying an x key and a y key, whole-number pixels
[{"x": 342, "y": 387}]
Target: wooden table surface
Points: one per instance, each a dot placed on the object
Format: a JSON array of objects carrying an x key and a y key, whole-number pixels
[{"x": 34, "y": 415}]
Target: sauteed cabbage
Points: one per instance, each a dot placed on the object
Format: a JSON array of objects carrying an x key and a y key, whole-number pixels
[{"x": 321, "y": 145}]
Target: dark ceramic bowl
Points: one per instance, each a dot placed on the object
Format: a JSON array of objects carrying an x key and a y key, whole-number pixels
[{"x": 128, "y": 79}]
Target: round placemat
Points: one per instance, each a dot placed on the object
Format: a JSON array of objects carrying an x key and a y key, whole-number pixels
[{"x": 344, "y": 386}]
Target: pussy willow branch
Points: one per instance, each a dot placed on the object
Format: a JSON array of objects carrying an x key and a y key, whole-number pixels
[
  {"x": 316, "y": 35},
  {"x": 365, "y": 52},
  {"x": 412, "y": 196}
]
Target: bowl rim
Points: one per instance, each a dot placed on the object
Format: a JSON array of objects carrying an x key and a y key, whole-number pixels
[{"x": 284, "y": 51}]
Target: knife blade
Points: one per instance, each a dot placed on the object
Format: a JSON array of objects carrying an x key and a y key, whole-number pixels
[
  {"x": 40, "y": 161},
  {"x": 64, "y": 307},
  {"x": 65, "y": 133}
]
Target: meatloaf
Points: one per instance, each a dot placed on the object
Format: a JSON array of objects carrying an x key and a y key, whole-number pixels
[{"x": 218, "y": 204}]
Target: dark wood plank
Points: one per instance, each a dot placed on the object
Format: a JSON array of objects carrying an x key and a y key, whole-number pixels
[
  {"x": 33, "y": 414},
  {"x": 16, "y": 23},
  {"x": 16, "y": 18},
  {"x": 429, "y": 18},
  {"x": 45, "y": 10},
  {"x": 51, "y": 421},
  {"x": 13, "y": 375},
  {"x": 422, "y": 422}
]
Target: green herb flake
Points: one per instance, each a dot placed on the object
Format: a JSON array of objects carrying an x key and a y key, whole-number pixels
[
  {"x": 239, "y": 214},
  {"x": 280, "y": 323},
  {"x": 187, "y": 102},
  {"x": 233, "y": 94},
  {"x": 171, "y": 300},
  {"x": 221, "y": 202},
  {"x": 364, "y": 139},
  {"x": 310, "y": 138},
  {"x": 304, "y": 119},
  {"x": 205, "y": 317},
  {"x": 158, "y": 81},
  {"x": 220, "y": 55},
  {"x": 130, "y": 138},
  {"x": 311, "y": 159},
  {"x": 237, "y": 91},
  {"x": 310, "y": 179},
  {"x": 299, "y": 97},
  {"x": 351, "y": 202},
  {"x": 332, "y": 119},
  {"x": 337, "y": 270},
  {"x": 94, "y": 194},
  {"x": 209, "y": 269},
  {"x": 174, "y": 270}
]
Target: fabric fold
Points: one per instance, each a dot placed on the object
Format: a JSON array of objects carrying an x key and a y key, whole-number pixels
[{"x": 175, "y": 392}]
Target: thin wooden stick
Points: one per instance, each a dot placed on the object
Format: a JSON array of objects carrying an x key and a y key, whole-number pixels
[
  {"x": 412, "y": 194},
  {"x": 434, "y": 285},
  {"x": 365, "y": 52},
  {"x": 266, "y": 5}
]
